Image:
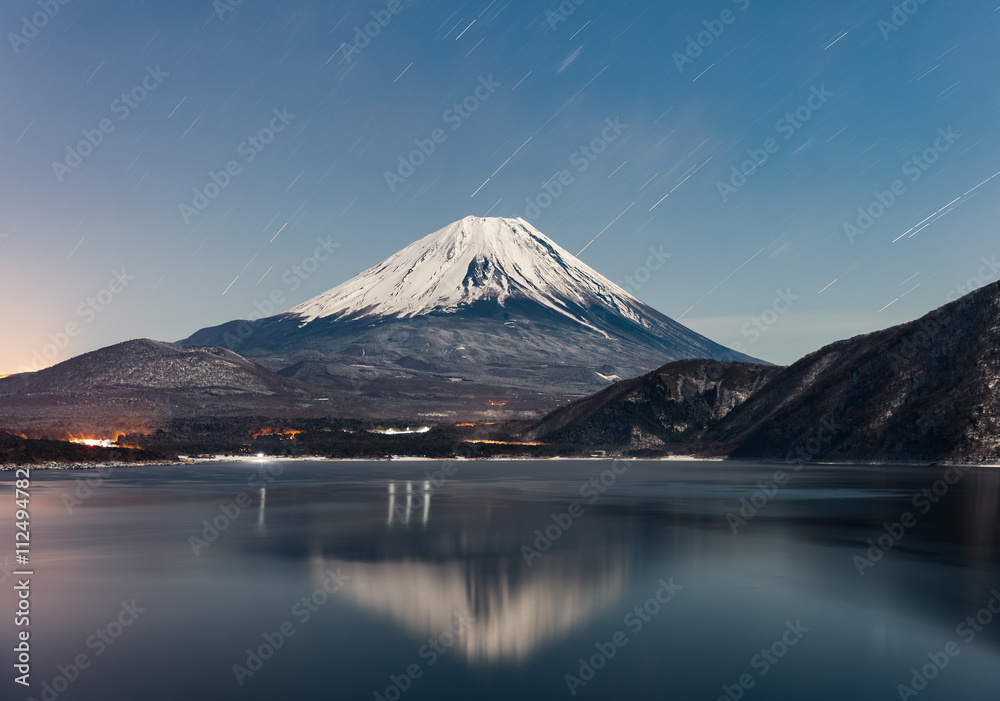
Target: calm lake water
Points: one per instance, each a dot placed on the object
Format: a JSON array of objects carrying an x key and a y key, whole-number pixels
[{"x": 640, "y": 592}]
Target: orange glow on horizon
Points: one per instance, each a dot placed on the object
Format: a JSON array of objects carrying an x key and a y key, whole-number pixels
[
  {"x": 102, "y": 443},
  {"x": 286, "y": 432},
  {"x": 94, "y": 442},
  {"x": 96, "y": 439},
  {"x": 503, "y": 443},
  {"x": 25, "y": 371}
]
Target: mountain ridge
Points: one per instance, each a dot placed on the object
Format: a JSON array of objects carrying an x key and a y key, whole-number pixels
[
  {"x": 490, "y": 303},
  {"x": 922, "y": 391},
  {"x": 140, "y": 385},
  {"x": 488, "y": 259}
]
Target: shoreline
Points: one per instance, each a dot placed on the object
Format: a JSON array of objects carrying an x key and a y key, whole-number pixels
[{"x": 185, "y": 461}]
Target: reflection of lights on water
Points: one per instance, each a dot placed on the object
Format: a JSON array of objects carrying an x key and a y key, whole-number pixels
[
  {"x": 404, "y": 517},
  {"x": 260, "y": 509},
  {"x": 514, "y": 616},
  {"x": 427, "y": 501}
]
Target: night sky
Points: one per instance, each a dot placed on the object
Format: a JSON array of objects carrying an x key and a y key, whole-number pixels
[{"x": 170, "y": 166}]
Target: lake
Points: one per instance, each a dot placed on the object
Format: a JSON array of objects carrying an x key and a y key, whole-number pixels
[{"x": 511, "y": 580}]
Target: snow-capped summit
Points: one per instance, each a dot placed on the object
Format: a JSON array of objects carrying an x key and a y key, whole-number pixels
[
  {"x": 475, "y": 259},
  {"x": 486, "y": 312}
]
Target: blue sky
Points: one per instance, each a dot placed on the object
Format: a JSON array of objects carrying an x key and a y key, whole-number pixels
[{"x": 847, "y": 101}]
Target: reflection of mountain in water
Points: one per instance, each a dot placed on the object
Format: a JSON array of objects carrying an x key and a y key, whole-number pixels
[
  {"x": 513, "y": 615},
  {"x": 515, "y": 608},
  {"x": 458, "y": 551}
]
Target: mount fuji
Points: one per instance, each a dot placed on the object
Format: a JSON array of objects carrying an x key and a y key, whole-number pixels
[{"x": 486, "y": 312}]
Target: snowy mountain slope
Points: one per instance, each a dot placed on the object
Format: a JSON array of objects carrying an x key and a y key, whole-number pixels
[
  {"x": 924, "y": 391},
  {"x": 669, "y": 408},
  {"x": 473, "y": 260},
  {"x": 151, "y": 365},
  {"x": 141, "y": 385},
  {"x": 491, "y": 303}
]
